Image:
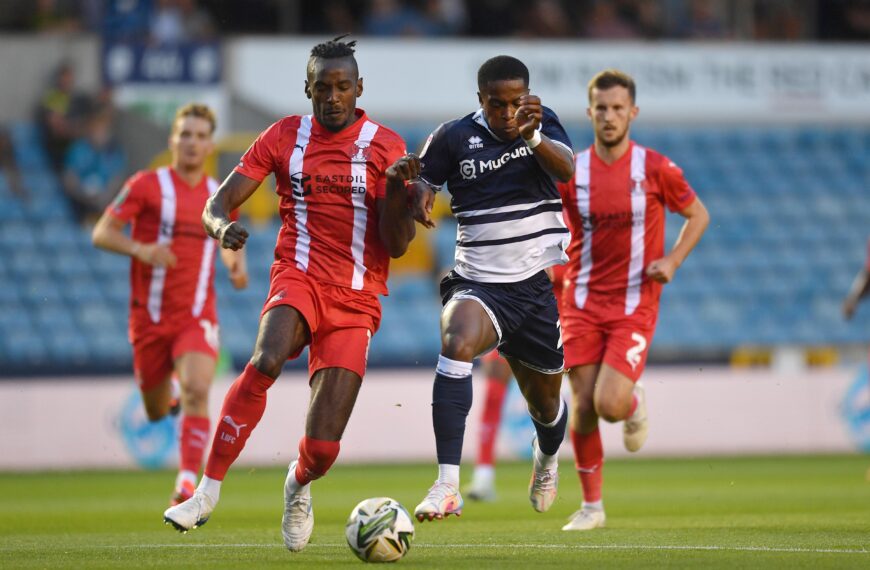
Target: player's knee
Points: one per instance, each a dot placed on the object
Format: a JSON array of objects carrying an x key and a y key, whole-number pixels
[
  {"x": 612, "y": 410},
  {"x": 195, "y": 393},
  {"x": 268, "y": 361},
  {"x": 581, "y": 409},
  {"x": 456, "y": 346}
]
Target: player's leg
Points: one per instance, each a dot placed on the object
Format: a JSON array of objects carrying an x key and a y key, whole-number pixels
[
  {"x": 195, "y": 371},
  {"x": 152, "y": 365},
  {"x": 283, "y": 332},
  {"x": 466, "y": 331},
  {"x": 333, "y": 395},
  {"x": 541, "y": 389},
  {"x": 619, "y": 396},
  {"x": 156, "y": 398},
  {"x": 588, "y": 451},
  {"x": 498, "y": 375}
]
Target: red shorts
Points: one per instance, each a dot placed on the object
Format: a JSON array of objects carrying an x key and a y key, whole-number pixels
[
  {"x": 341, "y": 320},
  {"x": 622, "y": 342},
  {"x": 156, "y": 347}
]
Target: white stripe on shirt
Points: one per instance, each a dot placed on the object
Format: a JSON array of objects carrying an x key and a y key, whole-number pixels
[
  {"x": 303, "y": 238},
  {"x": 638, "y": 228},
  {"x": 359, "y": 171},
  {"x": 164, "y": 236},
  {"x": 581, "y": 291},
  {"x": 206, "y": 265}
]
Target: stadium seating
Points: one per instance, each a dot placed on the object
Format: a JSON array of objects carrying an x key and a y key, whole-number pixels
[{"x": 790, "y": 212}]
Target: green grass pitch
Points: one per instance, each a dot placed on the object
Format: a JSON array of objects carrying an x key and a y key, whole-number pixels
[{"x": 761, "y": 512}]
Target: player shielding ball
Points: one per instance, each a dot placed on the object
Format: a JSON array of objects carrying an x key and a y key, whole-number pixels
[
  {"x": 615, "y": 207},
  {"x": 344, "y": 207},
  {"x": 500, "y": 164},
  {"x": 173, "y": 319}
]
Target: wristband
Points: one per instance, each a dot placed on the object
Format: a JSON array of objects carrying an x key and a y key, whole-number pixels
[{"x": 534, "y": 141}]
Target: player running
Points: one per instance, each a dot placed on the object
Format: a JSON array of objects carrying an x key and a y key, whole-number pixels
[
  {"x": 499, "y": 163},
  {"x": 615, "y": 207},
  {"x": 341, "y": 181},
  {"x": 173, "y": 319}
]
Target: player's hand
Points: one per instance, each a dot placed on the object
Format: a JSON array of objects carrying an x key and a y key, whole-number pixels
[
  {"x": 238, "y": 275},
  {"x": 529, "y": 115},
  {"x": 156, "y": 254},
  {"x": 233, "y": 236},
  {"x": 662, "y": 270},
  {"x": 849, "y": 306},
  {"x": 422, "y": 199},
  {"x": 406, "y": 168}
]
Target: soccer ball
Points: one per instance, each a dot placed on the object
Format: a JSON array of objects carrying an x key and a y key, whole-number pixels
[{"x": 379, "y": 530}]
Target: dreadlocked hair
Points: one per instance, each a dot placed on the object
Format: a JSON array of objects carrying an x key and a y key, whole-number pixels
[{"x": 334, "y": 48}]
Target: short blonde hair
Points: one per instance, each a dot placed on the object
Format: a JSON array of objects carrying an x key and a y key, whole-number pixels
[
  {"x": 196, "y": 110},
  {"x": 612, "y": 78}
]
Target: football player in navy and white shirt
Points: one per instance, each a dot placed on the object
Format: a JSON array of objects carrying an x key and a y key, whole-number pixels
[{"x": 500, "y": 164}]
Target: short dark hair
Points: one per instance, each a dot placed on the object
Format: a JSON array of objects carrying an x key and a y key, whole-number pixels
[
  {"x": 333, "y": 49},
  {"x": 612, "y": 78},
  {"x": 500, "y": 68}
]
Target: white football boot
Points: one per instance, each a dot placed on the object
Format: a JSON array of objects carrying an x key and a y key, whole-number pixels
[
  {"x": 636, "y": 427},
  {"x": 442, "y": 501},
  {"x": 482, "y": 487},
  {"x": 544, "y": 484},
  {"x": 298, "y": 520},
  {"x": 191, "y": 514},
  {"x": 586, "y": 519}
]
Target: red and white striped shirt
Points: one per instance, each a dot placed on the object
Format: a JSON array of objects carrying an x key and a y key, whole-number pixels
[
  {"x": 328, "y": 184},
  {"x": 617, "y": 220},
  {"x": 163, "y": 208}
]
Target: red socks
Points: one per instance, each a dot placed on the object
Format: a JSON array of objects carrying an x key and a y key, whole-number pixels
[
  {"x": 589, "y": 456},
  {"x": 243, "y": 407},
  {"x": 192, "y": 441},
  {"x": 316, "y": 456},
  {"x": 489, "y": 422}
]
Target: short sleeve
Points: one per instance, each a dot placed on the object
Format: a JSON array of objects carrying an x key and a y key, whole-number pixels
[
  {"x": 131, "y": 200},
  {"x": 395, "y": 149},
  {"x": 258, "y": 161},
  {"x": 678, "y": 194},
  {"x": 435, "y": 157},
  {"x": 553, "y": 129}
]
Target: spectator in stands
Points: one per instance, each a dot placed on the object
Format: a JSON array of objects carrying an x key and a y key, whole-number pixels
[
  {"x": 95, "y": 167},
  {"x": 604, "y": 22},
  {"x": 8, "y": 165},
  {"x": 179, "y": 21},
  {"x": 393, "y": 18},
  {"x": 703, "y": 22},
  {"x": 544, "y": 19},
  {"x": 59, "y": 113}
]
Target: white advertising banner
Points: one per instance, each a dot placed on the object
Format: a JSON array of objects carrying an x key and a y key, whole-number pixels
[
  {"x": 435, "y": 80},
  {"x": 69, "y": 423}
]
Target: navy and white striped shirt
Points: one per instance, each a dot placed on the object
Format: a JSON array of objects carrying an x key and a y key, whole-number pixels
[{"x": 508, "y": 209}]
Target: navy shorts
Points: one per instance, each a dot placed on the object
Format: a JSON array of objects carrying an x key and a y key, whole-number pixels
[{"x": 525, "y": 316}]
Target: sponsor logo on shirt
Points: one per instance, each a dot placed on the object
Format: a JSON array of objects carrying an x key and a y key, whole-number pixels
[
  {"x": 305, "y": 184},
  {"x": 467, "y": 169},
  {"x": 475, "y": 142}
]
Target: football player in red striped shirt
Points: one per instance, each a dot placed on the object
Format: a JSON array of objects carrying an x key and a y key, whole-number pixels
[
  {"x": 344, "y": 206},
  {"x": 615, "y": 208},
  {"x": 173, "y": 319}
]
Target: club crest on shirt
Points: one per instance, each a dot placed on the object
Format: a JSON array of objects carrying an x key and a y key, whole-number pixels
[{"x": 360, "y": 151}]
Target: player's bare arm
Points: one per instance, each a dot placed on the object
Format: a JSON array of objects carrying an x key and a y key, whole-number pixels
[
  {"x": 396, "y": 225},
  {"x": 236, "y": 263},
  {"x": 860, "y": 288},
  {"x": 109, "y": 235},
  {"x": 234, "y": 191},
  {"x": 697, "y": 220},
  {"x": 555, "y": 159}
]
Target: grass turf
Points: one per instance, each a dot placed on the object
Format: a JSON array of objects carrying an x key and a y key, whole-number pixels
[{"x": 795, "y": 512}]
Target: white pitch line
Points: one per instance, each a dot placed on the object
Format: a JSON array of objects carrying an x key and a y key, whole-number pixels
[{"x": 783, "y": 549}]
